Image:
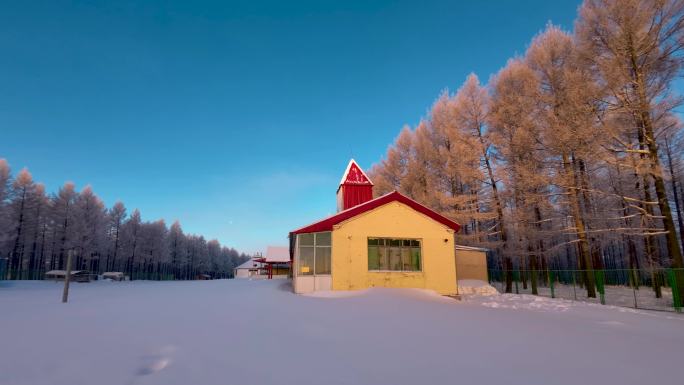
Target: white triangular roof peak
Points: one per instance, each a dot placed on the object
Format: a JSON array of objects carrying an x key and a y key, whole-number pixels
[{"x": 349, "y": 166}]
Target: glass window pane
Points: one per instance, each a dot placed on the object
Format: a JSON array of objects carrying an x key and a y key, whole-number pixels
[
  {"x": 306, "y": 239},
  {"x": 323, "y": 239},
  {"x": 306, "y": 261},
  {"x": 373, "y": 258},
  {"x": 323, "y": 260},
  {"x": 415, "y": 258},
  {"x": 394, "y": 254},
  {"x": 383, "y": 262},
  {"x": 395, "y": 258},
  {"x": 406, "y": 259}
]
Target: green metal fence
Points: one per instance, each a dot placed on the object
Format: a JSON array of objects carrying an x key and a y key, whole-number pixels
[{"x": 651, "y": 289}]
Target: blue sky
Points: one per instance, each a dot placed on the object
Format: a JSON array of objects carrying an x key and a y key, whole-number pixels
[{"x": 236, "y": 118}]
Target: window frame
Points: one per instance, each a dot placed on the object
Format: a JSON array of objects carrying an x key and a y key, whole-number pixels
[
  {"x": 314, "y": 246},
  {"x": 387, "y": 246}
]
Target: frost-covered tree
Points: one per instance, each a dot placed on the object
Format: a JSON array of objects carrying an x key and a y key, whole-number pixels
[
  {"x": 22, "y": 200},
  {"x": 457, "y": 176},
  {"x": 672, "y": 143},
  {"x": 115, "y": 220},
  {"x": 132, "y": 234},
  {"x": 516, "y": 135},
  {"x": 37, "y": 232},
  {"x": 40, "y": 224},
  {"x": 471, "y": 111},
  {"x": 90, "y": 214},
  {"x": 572, "y": 153},
  {"x": 62, "y": 207},
  {"x": 5, "y": 177},
  {"x": 391, "y": 173},
  {"x": 634, "y": 47},
  {"x": 177, "y": 250},
  {"x": 568, "y": 140}
]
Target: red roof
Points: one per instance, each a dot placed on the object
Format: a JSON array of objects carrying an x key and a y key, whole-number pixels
[{"x": 328, "y": 223}]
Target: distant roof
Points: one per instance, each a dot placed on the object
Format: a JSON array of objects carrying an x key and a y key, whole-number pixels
[
  {"x": 249, "y": 264},
  {"x": 63, "y": 272},
  {"x": 328, "y": 223},
  {"x": 354, "y": 175},
  {"x": 277, "y": 254}
]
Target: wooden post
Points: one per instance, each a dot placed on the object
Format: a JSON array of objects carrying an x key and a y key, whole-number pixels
[{"x": 67, "y": 278}]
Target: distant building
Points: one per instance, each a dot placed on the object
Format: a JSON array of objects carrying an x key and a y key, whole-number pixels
[
  {"x": 389, "y": 241},
  {"x": 276, "y": 263},
  {"x": 114, "y": 275},
  {"x": 76, "y": 275},
  {"x": 248, "y": 269}
]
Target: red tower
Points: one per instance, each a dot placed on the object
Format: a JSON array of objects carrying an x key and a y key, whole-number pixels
[{"x": 355, "y": 187}]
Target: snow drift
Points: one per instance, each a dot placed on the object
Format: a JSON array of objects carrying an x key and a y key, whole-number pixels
[
  {"x": 258, "y": 332},
  {"x": 475, "y": 287}
]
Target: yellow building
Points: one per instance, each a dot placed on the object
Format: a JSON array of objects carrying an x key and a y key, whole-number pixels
[{"x": 389, "y": 241}]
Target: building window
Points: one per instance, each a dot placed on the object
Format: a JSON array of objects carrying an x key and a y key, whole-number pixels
[
  {"x": 314, "y": 253},
  {"x": 389, "y": 254}
]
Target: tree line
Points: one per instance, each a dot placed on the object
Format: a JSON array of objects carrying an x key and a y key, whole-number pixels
[
  {"x": 570, "y": 157},
  {"x": 38, "y": 230}
]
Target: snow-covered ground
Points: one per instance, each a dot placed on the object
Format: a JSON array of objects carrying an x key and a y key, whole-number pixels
[{"x": 258, "y": 332}]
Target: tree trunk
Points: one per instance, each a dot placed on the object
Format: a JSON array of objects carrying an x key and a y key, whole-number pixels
[
  {"x": 116, "y": 245},
  {"x": 628, "y": 240},
  {"x": 499, "y": 213},
  {"x": 675, "y": 191},
  {"x": 52, "y": 248},
  {"x": 584, "y": 256},
  {"x": 650, "y": 244},
  {"x": 595, "y": 246},
  {"x": 17, "y": 256},
  {"x": 41, "y": 263},
  {"x": 533, "y": 259},
  {"x": 64, "y": 234},
  {"x": 34, "y": 246},
  {"x": 644, "y": 116}
]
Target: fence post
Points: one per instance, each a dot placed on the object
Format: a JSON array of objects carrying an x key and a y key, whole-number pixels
[
  {"x": 599, "y": 274},
  {"x": 632, "y": 283},
  {"x": 515, "y": 279},
  {"x": 67, "y": 278},
  {"x": 676, "y": 299}
]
